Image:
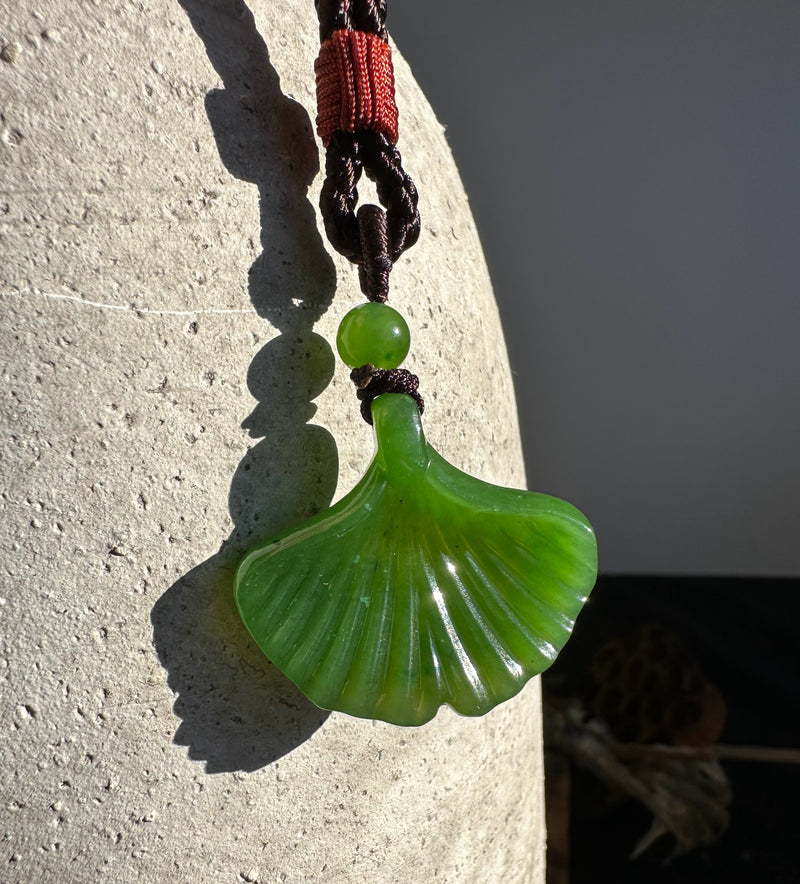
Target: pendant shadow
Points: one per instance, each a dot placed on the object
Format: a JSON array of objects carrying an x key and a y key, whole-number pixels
[{"x": 238, "y": 712}]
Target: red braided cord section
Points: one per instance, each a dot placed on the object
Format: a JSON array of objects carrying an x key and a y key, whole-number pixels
[{"x": 355, "y": 85}]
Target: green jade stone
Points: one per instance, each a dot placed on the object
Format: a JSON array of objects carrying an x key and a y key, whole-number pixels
[
  {"x": 422, "y": 586},
  {"x": 373, "y": 333}
]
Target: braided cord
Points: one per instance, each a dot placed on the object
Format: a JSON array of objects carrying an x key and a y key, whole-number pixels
[
  {"x": 357, "y": 122},
  {"x": 355, "y": 15}
]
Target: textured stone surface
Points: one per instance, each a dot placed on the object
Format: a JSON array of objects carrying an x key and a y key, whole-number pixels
[{"x": 169, "y": 394}]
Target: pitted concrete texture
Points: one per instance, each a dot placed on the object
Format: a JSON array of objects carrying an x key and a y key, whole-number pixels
[{"x": 169, "y": 395}]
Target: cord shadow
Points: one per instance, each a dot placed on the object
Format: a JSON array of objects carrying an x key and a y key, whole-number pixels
[{"x": 238, "y": 712}]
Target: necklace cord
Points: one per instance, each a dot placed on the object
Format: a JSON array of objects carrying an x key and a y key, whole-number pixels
[
  {"x": 368, "y": 16},
  {"x": 372, "y": 382},
  {"x": 357, "y": 123}
]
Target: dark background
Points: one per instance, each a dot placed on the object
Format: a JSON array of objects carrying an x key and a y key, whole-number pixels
[{"x": 742, "y": 632}]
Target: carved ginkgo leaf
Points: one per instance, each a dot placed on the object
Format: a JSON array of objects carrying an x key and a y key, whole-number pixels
[{"x": 423, "y": 586}]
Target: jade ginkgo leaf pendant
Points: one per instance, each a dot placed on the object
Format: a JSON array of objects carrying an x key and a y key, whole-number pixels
[{"x": 423, "y": 586}]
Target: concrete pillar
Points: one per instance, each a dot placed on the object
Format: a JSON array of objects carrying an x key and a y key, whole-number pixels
[{"x": 170, "y": 395}]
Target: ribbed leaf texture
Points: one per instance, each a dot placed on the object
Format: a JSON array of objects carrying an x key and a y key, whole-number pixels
[{"x": 423, "y": 586}]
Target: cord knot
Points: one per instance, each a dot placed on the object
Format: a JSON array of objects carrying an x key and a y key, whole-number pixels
[{"x": 372, "y": 382}]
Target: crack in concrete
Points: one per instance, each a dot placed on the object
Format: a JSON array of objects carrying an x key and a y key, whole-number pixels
[{"x": 129, "y": 308}]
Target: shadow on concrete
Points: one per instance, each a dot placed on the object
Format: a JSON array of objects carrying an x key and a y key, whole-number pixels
[{"x": 238, "y": 712}]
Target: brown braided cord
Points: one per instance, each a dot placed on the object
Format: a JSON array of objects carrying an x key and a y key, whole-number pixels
[
  {"x": 339, "y": 195},
  {"x": 367, "y": 150},
  {"x": 396, "y": 191},
  {"x": 350, "y": 153},
  {"x": 376, "y": 264},
  {"x": 357, "y": 15},
  {"x": 370, "y": 16},
  {"x": 373, "y": 239},
  {"x": 372, "y": 382}
]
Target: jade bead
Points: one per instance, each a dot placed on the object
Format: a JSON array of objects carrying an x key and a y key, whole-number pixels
[{"x": 373, "y": 333}]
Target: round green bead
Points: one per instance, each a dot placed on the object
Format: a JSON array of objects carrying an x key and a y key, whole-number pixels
[{"x": 374, "y": 333}]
